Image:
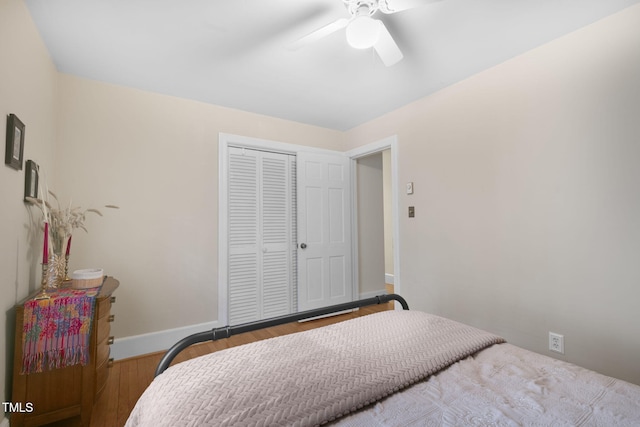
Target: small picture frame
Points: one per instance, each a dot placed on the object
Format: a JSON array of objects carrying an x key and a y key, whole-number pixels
[
  {"x": 31, "y": 180},
  {"x": 15, "y": 142}
]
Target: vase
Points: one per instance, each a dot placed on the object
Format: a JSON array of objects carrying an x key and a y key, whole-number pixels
[{"x": 56, "y": 272}]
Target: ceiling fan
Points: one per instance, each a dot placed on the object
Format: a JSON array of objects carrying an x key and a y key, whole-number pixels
[{"x": 363, "y": 31}]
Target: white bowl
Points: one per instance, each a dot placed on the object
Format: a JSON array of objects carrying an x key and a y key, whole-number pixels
[{"x": 87, "y": 278}]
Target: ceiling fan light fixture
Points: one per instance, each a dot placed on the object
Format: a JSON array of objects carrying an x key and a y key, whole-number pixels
[{"x": 363, "y": 32}]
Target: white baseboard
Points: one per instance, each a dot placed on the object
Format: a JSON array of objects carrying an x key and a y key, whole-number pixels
[
  {"x": 137, "y": 345},
  {"x": 363, "y": 295},
  {"x": 388, "y": 278},
  {"x": 337, "y": 313},
  {"x": 371, "y": 294},
  {"x": 4, "y": 422}
]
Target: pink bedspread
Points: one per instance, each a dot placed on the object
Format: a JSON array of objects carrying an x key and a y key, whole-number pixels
[
  {"x": 308, "y": 378},
  {"x": 392, "y": 369}
]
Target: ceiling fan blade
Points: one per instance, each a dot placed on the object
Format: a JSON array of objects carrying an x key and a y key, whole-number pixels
[
  {"x": 386, "y": 47},
  {"x": 393, "y": 6},
  {"x": 319, "y": 33}
]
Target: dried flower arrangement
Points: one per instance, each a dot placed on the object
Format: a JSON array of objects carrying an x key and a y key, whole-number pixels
[{"x": 61, "y": 223}]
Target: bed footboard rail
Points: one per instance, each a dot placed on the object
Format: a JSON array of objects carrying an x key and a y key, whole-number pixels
[{"x": 227, "y": 331}]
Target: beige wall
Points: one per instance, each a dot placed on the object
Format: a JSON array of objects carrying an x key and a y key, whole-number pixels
[
  {"x": 27, "y": 89},
  {"x": 157, "y": 158},
  {"x": 527, "y": 198}
]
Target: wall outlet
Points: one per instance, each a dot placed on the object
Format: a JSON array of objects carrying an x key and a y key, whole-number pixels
[{"x": 556, "y": 342}]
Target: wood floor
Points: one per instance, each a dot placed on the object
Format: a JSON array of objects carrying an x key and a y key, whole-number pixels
[{"x": 128, "y": 378}]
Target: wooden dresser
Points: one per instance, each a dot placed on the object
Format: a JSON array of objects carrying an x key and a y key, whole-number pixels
[{"x": 68, "y": 393}]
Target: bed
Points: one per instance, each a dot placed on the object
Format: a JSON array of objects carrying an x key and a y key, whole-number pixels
[{"x": 391, "y": 368}]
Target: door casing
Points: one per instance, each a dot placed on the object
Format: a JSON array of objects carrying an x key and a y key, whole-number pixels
[{"x": 388, "y": 143}]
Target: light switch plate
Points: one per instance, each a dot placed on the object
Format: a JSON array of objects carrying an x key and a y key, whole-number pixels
[{"x": 409, "y": 187}]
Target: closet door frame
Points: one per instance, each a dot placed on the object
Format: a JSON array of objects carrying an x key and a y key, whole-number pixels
[{"x": 224, "y": 142}]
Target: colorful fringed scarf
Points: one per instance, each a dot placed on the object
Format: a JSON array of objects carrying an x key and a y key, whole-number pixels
[{"x": 56, "y": 330}]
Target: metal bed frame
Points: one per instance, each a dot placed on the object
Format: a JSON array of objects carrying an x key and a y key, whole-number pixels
[{"x": 227, "y": 331}]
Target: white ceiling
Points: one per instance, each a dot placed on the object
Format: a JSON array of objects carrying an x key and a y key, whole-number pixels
[{"x": 233, "y": 52}]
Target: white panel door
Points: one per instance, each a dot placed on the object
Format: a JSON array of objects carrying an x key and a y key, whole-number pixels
[{"x": 324, "y": 230}]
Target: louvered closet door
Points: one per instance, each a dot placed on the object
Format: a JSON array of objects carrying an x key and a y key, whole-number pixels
[{"x": 261, "y": 235}]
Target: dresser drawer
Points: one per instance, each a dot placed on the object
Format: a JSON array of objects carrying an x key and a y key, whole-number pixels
[
  {"x": 102, "y": 374},
  {"x": 103, "y": 342},
  {"x": 103, "y": 328},
  {"x": 103, "y": 307},
  {"x": 102, "y": 351}
]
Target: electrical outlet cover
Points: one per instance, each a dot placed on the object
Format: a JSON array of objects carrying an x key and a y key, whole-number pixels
[{"x": 556, "y": 342}]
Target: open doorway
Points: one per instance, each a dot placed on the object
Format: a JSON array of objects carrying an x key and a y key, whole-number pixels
[
  {"x": 374, "y": 221},
  {"x": 376, "y": 217}
]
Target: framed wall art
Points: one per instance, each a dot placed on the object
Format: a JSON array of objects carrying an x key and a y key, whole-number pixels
[
  {"x": 31, "y": 180},
  {"x": 15, "y": 142}
]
